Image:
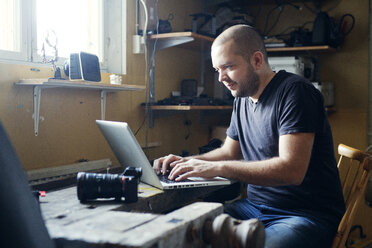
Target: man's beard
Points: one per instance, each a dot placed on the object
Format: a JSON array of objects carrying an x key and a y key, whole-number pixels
[{"x": 248, "y": 87}]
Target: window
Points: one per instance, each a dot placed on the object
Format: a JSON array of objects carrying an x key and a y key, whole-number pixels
[
  {"x": 93, "y": 26},
  {"x": 11, "y": 33},
  {"x": 76, "y": 28},
  {"x": 9, "y": 21}
]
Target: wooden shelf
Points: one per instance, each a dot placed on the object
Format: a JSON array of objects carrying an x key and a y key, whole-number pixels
[
  {"x": 189, "y": 107},
  {"x": 251, "y": 2},
  {"x": 58, "y": 83},
  {"x": 181, "y": 34},
  {"x": 157, "y": 111},
  {"x": 40, "y": 84},
  {"x": 301, "y": 49},
  {"x": 187, "y": 40}
]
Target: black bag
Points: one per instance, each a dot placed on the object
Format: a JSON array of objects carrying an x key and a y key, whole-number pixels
[{"x": 327, "y": 32}]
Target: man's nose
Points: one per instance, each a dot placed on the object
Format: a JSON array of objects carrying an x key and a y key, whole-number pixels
[{"x": 222, "y": 76}]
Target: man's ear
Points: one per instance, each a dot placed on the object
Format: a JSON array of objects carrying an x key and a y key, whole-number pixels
[{"x": 257, "y": 60}]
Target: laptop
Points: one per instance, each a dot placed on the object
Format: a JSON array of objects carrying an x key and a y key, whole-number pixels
[{"x": 129, "y": 153}]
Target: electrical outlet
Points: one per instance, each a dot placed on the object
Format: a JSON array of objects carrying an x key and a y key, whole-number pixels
[{"x": 138, "y": 44}]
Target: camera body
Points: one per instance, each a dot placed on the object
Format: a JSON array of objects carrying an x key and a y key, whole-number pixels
[{"x": 91, "y": 186}]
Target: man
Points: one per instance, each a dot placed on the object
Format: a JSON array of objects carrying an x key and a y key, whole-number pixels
[{"x": 279, "y": 142}]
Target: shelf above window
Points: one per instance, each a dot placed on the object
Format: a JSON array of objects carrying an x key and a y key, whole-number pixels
[{"x": 39, "y": 84}]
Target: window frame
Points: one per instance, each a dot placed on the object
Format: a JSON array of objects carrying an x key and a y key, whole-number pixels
[{"x": 23, "y": 54}]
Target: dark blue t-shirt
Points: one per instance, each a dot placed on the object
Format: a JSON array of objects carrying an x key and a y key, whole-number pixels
[{"x": 290, "y": 104}]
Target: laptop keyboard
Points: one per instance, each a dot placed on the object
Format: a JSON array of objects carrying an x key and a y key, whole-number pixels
[{"x": 164, "y": 178}]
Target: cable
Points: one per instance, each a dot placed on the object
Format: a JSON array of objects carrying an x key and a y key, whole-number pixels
[
  {"x": 258, "y": 13},
  {"x": 267, "y": 19},
  {"x": 146, "y": 98},
  {"x": 284, "y": 32},
  {"x": 266, "y": 33},
  {"x": 147, "y": 127},
  {"x": 144, "y": 33},
  {"x": 147, "y": 93},
  {"x": 279, "y": 6},
  {"x": 309, "y": 8},
  {"x": 146, "y": 68},
  {"x": 342, "y": 22},
  {"x": 137, "y": 17}
]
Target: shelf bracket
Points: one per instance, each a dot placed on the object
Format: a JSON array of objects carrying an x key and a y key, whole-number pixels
[
  {"x": 37, "y": 96},
  {"x": 36, "y": 115},
  {"x": 103, "y": 104},
  {"x": 39, "y": 84}
]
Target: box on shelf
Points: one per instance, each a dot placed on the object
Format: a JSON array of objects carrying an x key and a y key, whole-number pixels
[
  {"x": 115, "y": 79},
  {"x": 302, "y": 66},
  {"x": 290, "y": 64}
]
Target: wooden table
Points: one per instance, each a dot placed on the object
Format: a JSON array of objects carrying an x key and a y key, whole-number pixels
[{"x": 146, "y": 223}]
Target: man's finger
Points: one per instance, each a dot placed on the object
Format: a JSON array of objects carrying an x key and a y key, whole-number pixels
[
  {"x": 168, "y": 159},
  {"x": 157, "y": 164}
]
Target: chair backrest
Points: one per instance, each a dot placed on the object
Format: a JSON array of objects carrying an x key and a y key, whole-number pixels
[
  {"x": 355, "y": 169},
  {"x": 21, "y": 222}
]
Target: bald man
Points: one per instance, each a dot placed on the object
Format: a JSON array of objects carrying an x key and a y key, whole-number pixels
[{"x": 279, "y": 142}]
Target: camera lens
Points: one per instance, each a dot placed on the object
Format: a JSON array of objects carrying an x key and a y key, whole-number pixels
[{"x": 93, "y": 186}]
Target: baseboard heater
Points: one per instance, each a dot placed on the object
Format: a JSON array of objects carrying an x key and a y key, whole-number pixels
[{"x": 65, "y": 175}]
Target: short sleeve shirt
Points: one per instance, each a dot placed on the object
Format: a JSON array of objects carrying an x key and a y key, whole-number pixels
[{"x": 289, "y": 104}]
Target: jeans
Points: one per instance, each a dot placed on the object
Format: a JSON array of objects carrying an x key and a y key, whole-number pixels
[{"x": 286, "y": 229}]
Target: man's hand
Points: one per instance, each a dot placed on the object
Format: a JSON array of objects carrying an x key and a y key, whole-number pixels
[
  {"x": 161, "y": 165},
  {"x": 182, "y": 169}
]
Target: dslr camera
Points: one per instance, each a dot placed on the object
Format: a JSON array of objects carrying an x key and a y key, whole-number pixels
[{"x": 91, "y": 186}]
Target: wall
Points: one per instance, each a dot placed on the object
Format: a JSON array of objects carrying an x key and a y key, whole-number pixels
[
  {"x": 348, "y": 69},
  {"x": 67, "y": 130},
  {"x": 347, "y": 66}
]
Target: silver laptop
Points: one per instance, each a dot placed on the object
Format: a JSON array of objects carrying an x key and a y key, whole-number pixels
[{"x": 129, "y": 153}]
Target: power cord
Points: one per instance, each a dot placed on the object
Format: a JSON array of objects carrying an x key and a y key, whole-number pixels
[
  {"x": 279, "y": 6},
  {"x": 147, "y": 61}
]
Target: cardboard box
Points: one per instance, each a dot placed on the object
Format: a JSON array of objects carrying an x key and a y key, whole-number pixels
[{"x": 290, "y": 64}]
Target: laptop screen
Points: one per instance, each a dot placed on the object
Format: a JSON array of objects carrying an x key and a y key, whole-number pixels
[{"x": 127, "y": 150}]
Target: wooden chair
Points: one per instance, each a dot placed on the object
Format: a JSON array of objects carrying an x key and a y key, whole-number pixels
[{"x": 355, "y": 169}]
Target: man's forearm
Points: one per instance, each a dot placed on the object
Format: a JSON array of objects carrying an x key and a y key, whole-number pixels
[
  {"x": 218, "y": 154},
  {"x": 271, "y": 172}
]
